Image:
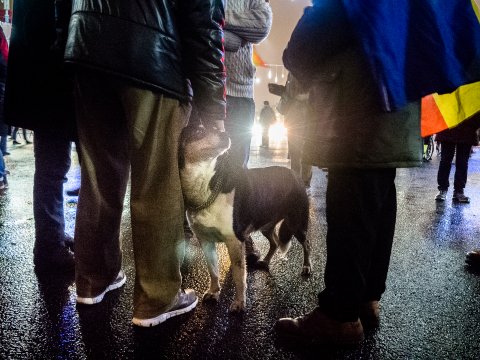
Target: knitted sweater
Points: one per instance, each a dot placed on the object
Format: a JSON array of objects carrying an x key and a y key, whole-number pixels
[{"x": 247, "y": 22}]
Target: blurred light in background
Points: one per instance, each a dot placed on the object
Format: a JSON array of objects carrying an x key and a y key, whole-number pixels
[{"x": 277, "y": 134}]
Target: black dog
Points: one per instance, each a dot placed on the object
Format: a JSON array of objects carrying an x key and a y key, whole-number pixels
[{"x": 227, "y": 204}]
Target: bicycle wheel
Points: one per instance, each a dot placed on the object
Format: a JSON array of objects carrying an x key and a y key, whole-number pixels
[{"x": 430, "y": 147}]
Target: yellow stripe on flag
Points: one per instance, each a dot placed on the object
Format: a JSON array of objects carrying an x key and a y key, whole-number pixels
[
  {"x": 476, "y": 8},
  {"x": 440, "y": 112}
]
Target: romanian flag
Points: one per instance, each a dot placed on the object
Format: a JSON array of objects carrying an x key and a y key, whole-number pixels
[
  {"x": 440, "y": 112},
  {"x": 418, "y": 47},
  {"x": 257, "y": 60}
]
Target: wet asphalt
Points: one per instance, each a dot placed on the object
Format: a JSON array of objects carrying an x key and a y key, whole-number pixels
[{"x": 430, "y": 310}]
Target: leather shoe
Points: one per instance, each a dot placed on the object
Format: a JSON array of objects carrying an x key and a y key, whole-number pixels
[
  {"x": 317, "y": 328},
  {"x": 472, "y": 259}
]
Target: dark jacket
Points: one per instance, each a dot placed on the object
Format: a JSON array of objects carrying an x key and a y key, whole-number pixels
[
  {"x": 465, "y": 133},
  {"x": 349, "y": 128},
  {"x": 173, "y": 47},
  {"x": 38, "y": 90}
]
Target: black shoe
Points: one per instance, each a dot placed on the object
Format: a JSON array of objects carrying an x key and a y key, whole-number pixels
[
  {"x": 6, "y": 153},
  {"x": 472, "y": 260},
  {"x": 73, "y": 192},
  {"x": 317, "y": 328},
  {"x": 459, "y": 196},
  {"x": 28, "y": 142},
  {"x": 53, "y": 257},
  {"x": 15, "y": 142}
]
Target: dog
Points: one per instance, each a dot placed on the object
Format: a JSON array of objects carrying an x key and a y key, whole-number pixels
[{"x": 226, "y": 204}]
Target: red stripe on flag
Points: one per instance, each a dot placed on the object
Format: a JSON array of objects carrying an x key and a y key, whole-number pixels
[{"x": 432, "y": 120}]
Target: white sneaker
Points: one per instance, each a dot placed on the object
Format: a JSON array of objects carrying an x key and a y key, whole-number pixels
[
  {"x": 117, "y": 283},
  {"x": 186, "y": 301},
  {"x": 441, "y": 196}
]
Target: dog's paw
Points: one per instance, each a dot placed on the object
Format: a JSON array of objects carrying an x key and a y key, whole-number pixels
[
  {"x": 263, "y": 265},
  {"x": 306, "y": 270},
  {"x": 237, "y": 306},
  {"x": 211, "y": 296}
]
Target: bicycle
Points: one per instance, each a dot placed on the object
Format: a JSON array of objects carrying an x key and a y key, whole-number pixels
[
  {"x": 22, "y": 133},
  {"x": 428, "y": 148}
]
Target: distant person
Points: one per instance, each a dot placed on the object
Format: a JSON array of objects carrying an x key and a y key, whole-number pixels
[
  {"x": 39, "y": 96},
  {"x": 267, "y": 119},
  {"x": 247, "y": 22},
  {"x": 4, "y": 129},
  {"x": 3, "y": 125},
  {"x": 456, "y": 142},
  {"x": 133, "y": 100},
  {"x": 294, "y": 106}
]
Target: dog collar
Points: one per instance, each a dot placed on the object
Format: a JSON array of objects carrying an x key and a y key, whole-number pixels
[{"x": 214, "y": 193}]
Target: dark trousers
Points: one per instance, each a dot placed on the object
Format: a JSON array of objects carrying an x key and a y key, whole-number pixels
[
  {"x": 461, "y": 165},
  {"x": 238, "y": 124},
  {"x": 361, "y": 213},
  {"x": 52, "y": 161}
]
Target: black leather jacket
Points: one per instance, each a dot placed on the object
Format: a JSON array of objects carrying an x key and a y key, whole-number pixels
[{"x": 171, "y": 46}]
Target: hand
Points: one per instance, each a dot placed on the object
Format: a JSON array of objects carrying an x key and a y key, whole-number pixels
[{"x": 276, "y": 89}]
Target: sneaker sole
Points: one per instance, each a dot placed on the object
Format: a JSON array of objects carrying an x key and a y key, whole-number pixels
[
  {"x": 99, "y": 298},
  {"x": 164, "y": 317}
]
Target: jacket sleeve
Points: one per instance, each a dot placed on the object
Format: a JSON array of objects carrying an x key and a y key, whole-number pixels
[
  {"x": 233, "y": 42},
  {"x": 322, "y": 32},
  {"x": 201, "y": 27},
  {"x": 253, "y": 24}
]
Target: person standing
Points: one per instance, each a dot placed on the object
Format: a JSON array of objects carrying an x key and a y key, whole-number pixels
[
  {"x": 39, "y": 96},
  {"x": 267, "y": 119},
  {"x": 360, "y": 146},
  {"x": 4, "y": 129},
  {"x": 294, "y": 106},
  {"x": 247, "y": 22},
  {"x": 137, "y": 67},
  {"x": 3, "y": 125},
  {"x": 456, "y": 142}
]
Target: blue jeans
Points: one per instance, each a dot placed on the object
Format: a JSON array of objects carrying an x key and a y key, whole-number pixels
[
  {"x": 238, "y": 124},
  {"x": 52, "y": 161}
]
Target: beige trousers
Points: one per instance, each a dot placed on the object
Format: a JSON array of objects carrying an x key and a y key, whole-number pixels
[{"x": 124, "y": 129}]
